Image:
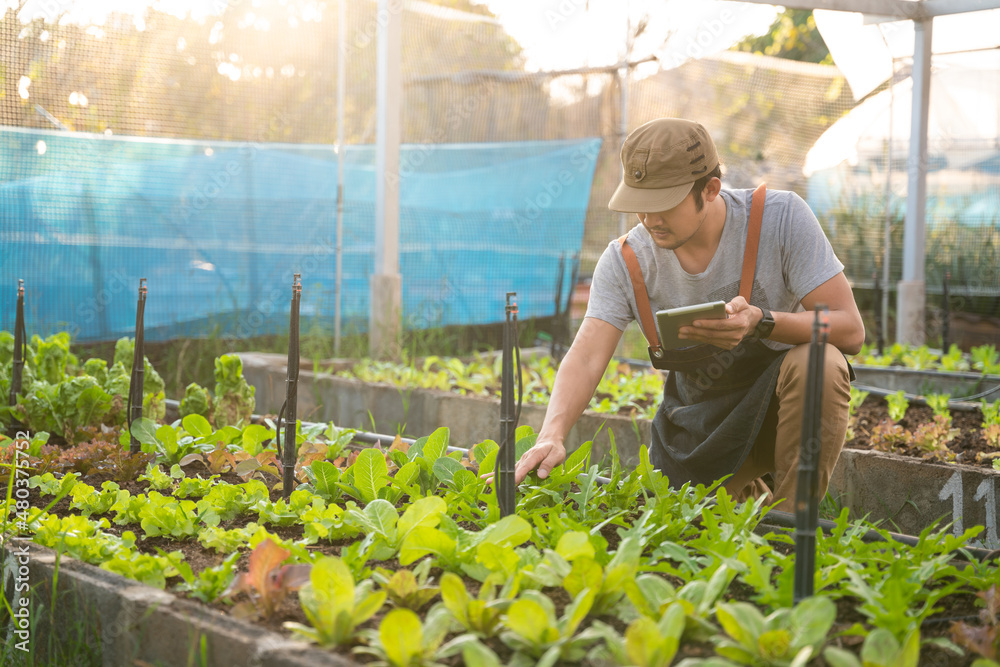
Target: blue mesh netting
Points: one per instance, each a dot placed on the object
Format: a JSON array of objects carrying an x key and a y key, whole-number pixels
[{"x": 218, "y": 229}]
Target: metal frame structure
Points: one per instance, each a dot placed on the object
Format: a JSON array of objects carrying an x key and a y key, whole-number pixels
[
  {"x": 911, "y": 296},
  {"x": 385, "y": 324}
]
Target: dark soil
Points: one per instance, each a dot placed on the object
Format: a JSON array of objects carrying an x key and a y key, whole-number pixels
[{"x": 967, "y": 444}]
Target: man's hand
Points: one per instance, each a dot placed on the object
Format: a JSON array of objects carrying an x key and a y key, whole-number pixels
[
  {"x": 544, "y": 455},
  {"x": 741, "y": 321}
]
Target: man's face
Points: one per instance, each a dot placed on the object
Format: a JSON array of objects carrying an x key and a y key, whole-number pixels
[{"x": 672, "y": 229}]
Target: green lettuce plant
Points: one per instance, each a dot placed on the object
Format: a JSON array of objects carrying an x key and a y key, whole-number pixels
[
  {"x": 881, "y": 649},
  {"x": 403, "y": 641},
  {"x": 479, "y": 616},
  {"x": 145, "y": 568},
  {"x": 234, "y": 398},
  {"x": 898, "y": 403},
  {"x": 333, "y": 604},
  {"x": 538, "y": 636},
  {"x": 209, "y": 584},
  {"x": 153, "y": 405},
  {"x": 784, "y": 637},
  {"x": 196, "y": 401},
  {"x": 654, "y": 643},
  {"x": 413, "y": 589}
]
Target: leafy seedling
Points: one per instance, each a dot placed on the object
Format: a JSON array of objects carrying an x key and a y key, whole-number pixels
[
  {"x": 266, "y": 582},
  {"x": 334, "y": 606}
]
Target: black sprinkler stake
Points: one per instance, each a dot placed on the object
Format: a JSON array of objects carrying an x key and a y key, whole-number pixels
[
  {"x": 20, "y": 347},
  {"x": 508, "y": 415},
  {"x": 290, "y": 452},
  {"x": 807, "y": 491},
  {"x": 138, "y": 371}
]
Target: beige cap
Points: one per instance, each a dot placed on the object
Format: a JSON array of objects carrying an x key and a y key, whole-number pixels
[{"x": 661, "y": 160}]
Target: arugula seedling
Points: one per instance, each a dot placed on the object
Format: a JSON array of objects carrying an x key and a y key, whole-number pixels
[
  {"x": 334, "y": 605},
  {"x": 897, "y": 599}
]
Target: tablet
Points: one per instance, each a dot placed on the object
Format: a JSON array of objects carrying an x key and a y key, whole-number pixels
[{"x": 668, "y": 322}]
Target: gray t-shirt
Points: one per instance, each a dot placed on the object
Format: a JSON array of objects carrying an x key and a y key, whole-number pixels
[{"x": 793, "y": 259}]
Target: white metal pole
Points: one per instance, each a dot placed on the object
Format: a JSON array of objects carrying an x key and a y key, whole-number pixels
[
  {"x": 623, "y": 120},
  {"x": 911, "y": 297},
  {"x": 386, "y": 286},
  {"x": 341, "y": 85},
  {"x": 887, "y": 241}
]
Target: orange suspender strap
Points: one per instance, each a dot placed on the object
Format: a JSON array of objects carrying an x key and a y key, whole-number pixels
[
  {"x": 753, "y": 241},
  {"x": 646, "y": 320},
  {"x": 641, "y": 297}
]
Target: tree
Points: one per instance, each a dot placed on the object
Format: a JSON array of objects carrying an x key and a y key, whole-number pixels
[{"x": 793, "y": 35}]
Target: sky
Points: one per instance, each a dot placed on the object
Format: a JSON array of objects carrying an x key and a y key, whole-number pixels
[{"x": 555, "y": 34}]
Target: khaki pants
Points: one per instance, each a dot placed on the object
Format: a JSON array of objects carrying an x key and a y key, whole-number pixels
[{"x": 776, "y": 449}]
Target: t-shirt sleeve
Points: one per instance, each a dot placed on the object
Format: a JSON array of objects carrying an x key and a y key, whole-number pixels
[
  {"x": 808, "y": 259},
  {"x": 608, "y": 300}
]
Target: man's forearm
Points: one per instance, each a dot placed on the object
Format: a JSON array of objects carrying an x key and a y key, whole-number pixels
[
  {"x": 796, "y": 329},
  {"x": 574, "y": 386}
]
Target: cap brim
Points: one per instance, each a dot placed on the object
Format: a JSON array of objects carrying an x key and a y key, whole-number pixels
[{"x": 627, "y": 199}]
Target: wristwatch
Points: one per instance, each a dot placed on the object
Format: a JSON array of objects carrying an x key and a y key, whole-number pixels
[{"x": 765, "y": 326}]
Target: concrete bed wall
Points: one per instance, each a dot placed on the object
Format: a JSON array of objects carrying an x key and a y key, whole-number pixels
[{"x": 128, "y": 623}]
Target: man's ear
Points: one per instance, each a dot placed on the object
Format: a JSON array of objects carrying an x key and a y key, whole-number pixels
[{"x": 712, "y": 189}]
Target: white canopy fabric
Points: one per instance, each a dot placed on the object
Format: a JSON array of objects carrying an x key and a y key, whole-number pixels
[
  {"x": 964, "y": 118},
  {"x": 865, "y": 52}
]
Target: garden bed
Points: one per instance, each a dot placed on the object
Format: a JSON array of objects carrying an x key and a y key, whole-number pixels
[
  {"x": 598, "y": 565},
  {"x": 141, "y": 623}
]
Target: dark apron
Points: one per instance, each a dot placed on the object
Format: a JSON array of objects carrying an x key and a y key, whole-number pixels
[{"x": 714, "y": 402}]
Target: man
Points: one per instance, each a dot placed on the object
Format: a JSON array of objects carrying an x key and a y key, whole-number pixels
[{"x": 732, "y": 403}]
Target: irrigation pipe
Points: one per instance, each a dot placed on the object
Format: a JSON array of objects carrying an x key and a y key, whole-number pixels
[
  {"x": 962, "y": 405},
  {"x": 772, "y": 518}
]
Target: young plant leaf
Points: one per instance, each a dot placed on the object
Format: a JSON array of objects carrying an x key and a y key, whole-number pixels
[{"x": 371, "y": 473}]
